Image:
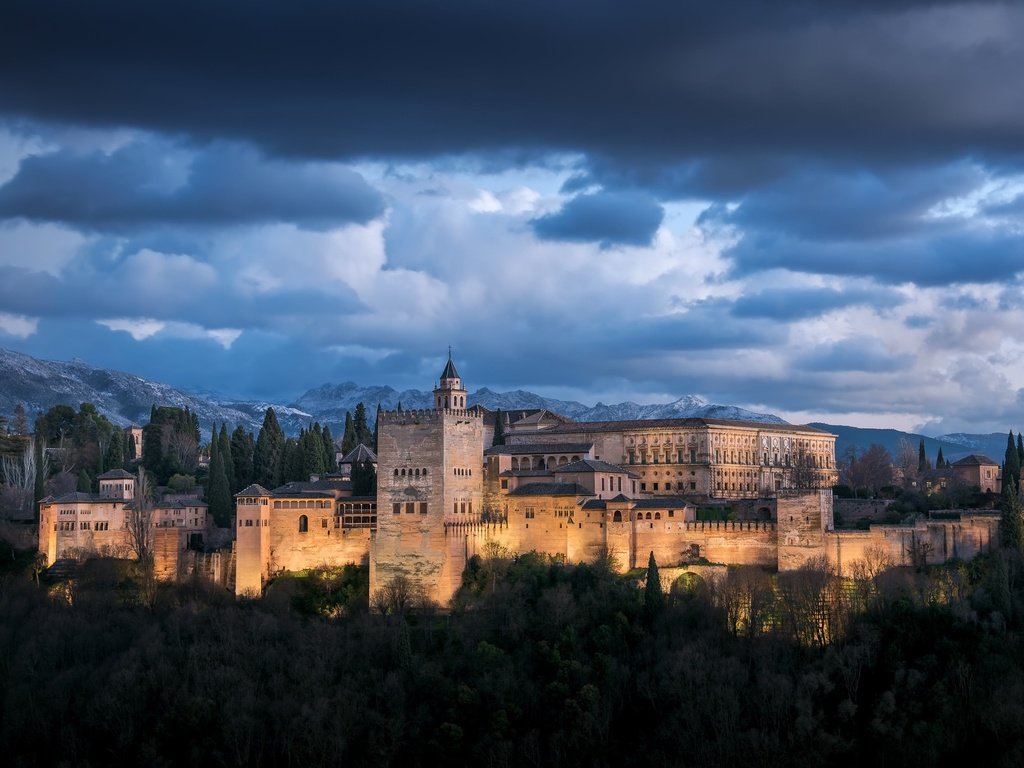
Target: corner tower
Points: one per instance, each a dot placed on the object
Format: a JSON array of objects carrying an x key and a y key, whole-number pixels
[{"x": 429, "y": 487}]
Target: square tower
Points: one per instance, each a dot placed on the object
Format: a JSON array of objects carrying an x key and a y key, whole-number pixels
[{"x": 429, "y": 486}]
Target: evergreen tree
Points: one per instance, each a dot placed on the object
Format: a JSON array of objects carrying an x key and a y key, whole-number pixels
[
  {"x": 84, "y": 482},
  {"x": 218, "y": 494},
  {"x": 1011, "y": 527},
  {"x": 922, "y": 458},
  {"x": 328, "y": 441},
  {"x": 940, "y": 462},
  {"x": 293, "y": 462},
  {"x": 364, "y": 479},
  {"x": 115, "y": 451},
  {"x": 376, "y": 428},
  {"x": 654, "y": 598},
  {"x": 19, "y": 426},
  {"x": 348, "y": 440},
  {"x": 499, "y": 428},
  {"x": 241, "y": 457},
  {"x": 39, "y": 489},
  {"x": 268, "y": 452},
  {"x": 312, "y": 446},
  {"x": 224, "y": 449},
  {"x": 1020, "y": 450},
  {"x": 132, "y": 449},
  {"x": 362, "y": 428},
  {"x": 1011, "y": 462}
]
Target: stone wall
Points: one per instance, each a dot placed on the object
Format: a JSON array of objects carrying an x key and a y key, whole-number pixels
[{"x": 852, "y": 510}]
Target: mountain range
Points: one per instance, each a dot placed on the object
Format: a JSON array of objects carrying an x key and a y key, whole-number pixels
[{"x": 126, "y": 399}]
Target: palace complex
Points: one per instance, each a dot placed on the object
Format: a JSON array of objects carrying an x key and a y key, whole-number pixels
[{"x": 689, "y": 490}]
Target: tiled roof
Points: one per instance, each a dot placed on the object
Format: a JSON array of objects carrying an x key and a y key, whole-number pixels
[
  {"x": 315, "y": 488},
  {"x": 75, "y": 496},
  {"x": 591, "y": 465},
  {"x": 526, "y": 473},
  {"x": 975, "y": 460},
  {"x": 449, "y": 371},
  {"x": 179, "y": 504},
  {"x": 359, "y": 453},
  {"x": 538, "y": 448},
  {"x": 639, "y": 424},
  {"x": 551, "y": 489},
  {"x": 116, "y": 474},
  {"x": 253, "y": 490}
]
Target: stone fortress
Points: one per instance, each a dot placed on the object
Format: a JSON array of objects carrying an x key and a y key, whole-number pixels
[
  {"x": 576, "y": 490},
  {"x": 690, "y": 490}
]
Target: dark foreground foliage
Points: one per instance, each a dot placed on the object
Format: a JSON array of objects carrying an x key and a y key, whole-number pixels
[{"x": 539, "y": 663}]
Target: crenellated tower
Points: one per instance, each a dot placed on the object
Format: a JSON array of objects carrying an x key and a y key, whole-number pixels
[{"x": 429, "y": 485}]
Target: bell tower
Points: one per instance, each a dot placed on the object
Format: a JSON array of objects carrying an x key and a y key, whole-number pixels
[{"x": 449, "y": 393}]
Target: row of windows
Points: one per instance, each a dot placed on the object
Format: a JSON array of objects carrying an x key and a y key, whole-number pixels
[
  {"x": 611, "y": 483},
  {"x": 456, "y": 507},
  {"x": 85, "y": 525},
  {"x": 537, "y": 462},
  {"x": 668, "y": 486},
  {"x": 249, "y": 523},
  {"x": 617, "y": 516},
  {"x": 410, "y": 473},
  {"x": 410, "y": 507},
  {"x": 462, "y": 472},
  {"x": 303, "y": 504}
]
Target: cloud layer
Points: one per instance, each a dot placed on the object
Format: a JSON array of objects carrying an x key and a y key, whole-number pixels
[{"x": 810, "y": 208}]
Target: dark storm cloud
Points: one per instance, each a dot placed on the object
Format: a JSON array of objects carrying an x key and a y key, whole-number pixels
[
  {"x": 149, "y": 183},
  {"x": 609, "y": 218},
  {"x": 647, "y": 84},
  {"x": 789, "y": 304},
  {"x": 965, "y": 257},
  {"x": 854, "y": 354}
]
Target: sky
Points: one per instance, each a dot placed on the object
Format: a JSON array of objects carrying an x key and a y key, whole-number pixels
[{"x": 811, "y": 208}]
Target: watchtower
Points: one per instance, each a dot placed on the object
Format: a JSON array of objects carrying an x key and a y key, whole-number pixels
[{"x": 429, "y": 484}]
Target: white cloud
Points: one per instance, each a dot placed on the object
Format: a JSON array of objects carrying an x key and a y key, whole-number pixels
[
  {"x": 19, "y": 326},
  {"x": 139, "y": 328}
]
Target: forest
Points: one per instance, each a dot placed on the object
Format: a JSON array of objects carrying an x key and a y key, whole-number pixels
[{"x": 537, "y": 662}]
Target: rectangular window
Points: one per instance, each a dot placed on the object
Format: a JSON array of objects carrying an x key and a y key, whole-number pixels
[
  {"x": 423, "y": 507},
  {"x": 671, "y": 513},
  {"x": 323, "y": 522},
  {"x": 504, "y": 484},
  {"x": 410, "y": 507},
  {"x": 655, "y": 486},
  {"x": 643, "y": 486},
  {"x": 396, "y": 509},
  {"x": 693, "y": 486},
  {"x": 463, "y": 507},
  {"x": 620, "y": 483}
]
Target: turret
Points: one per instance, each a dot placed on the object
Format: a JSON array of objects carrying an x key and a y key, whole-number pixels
[{"x": 449, "y": 392}]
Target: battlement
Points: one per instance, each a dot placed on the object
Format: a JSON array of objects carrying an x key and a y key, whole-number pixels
[{"x": 427, "y": 415}]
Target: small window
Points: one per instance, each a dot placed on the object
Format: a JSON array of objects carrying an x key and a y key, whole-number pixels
[
  {"x": 396, "y": 509},
  {"x": 410, "y": 507},
  {"x": 303, "y": 524},
  {"x": 504, "y": 484},
  {"x": 323, "y": 522},
  {"x": 423, "y": 507}
]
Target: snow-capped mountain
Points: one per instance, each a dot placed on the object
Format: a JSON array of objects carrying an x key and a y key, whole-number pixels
[
  {"x": 123, "y": 398},
  {"x": 126, "y": 399}
]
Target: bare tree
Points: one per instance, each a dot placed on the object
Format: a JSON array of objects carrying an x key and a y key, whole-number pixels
[
  {"x": 139, "y": 519},
  {"x": 183, "y": 447},
  {"x": 906, "y": 459}
]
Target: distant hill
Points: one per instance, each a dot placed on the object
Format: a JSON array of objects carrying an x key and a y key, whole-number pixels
[
  {"x": 126, "y": 399},
  {"x": 954, "y": 446}
]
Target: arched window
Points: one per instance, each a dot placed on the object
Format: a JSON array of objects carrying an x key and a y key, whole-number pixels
[
  {"x": 303, "y": 524},
  {"x": 648, "y": 515},
  {"x": 657, "y": 515},
  {"x": 617, "y": 517},
  {"x": 396, "y": 471}
]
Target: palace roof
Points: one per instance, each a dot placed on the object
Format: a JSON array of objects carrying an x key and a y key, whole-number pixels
[
  {"x": 551, "y": 489},
  {"x": 253, "y": 490},
  {"x": 975, "y": 460},
  {"x": 640, "y": 424},
  {"x": 359, "y": 453},
  {"x": 538, "y": 448},
  {"x": 591, "y": 465},
  {"x": 116, "y": 474}
]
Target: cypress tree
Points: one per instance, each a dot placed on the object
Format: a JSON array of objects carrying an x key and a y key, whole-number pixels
[
  {"x": 499, "y": 428},
  {"x": 376, "y": 428},
  {"x": 132, "y": 449},
  {"x": 922, "y": 458},
  {"x": 329, "y": 449},
  {"x": 268, "y": 452},
  {"x": 654, "y": 598},
  {"x": 1020, "y": 450},
  {"x": 115, "y": 451},
  {"x": 348, "y": 440},
  {"x": 364, "y": 479},
  {"x": 1011, "y": 462},
  {"x": 84, "y": 482},
  {"x": 362, "y": 428},
  {"x": 241, "y": 457},
  {"x": 218, "y": 494},
  {"x": 224, "y": 449},
  {"x": 312, "y": 447},
  {"x": 39, "y": 489},
  {"x": 1011, "y": 528},
  {"x": 940, "y": 462}
]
